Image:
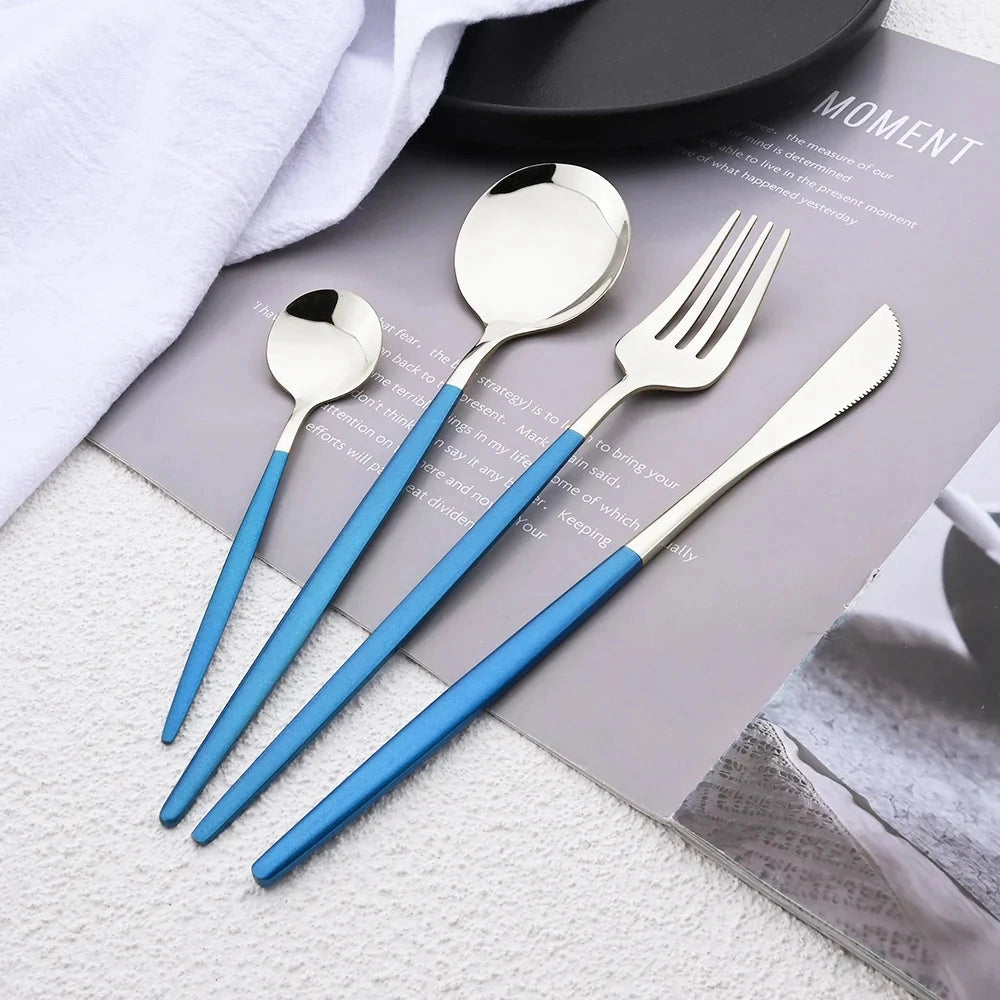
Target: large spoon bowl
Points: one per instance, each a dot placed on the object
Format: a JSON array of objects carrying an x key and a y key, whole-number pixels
[{"x": 540, "y": 247}]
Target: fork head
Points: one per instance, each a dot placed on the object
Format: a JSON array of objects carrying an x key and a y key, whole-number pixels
[{"x": 665, "y": 351}]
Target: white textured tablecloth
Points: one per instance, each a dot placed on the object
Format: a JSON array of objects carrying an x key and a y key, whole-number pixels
[{"x": 497, "y": 871}]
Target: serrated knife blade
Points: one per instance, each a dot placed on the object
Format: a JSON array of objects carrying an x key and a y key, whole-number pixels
[{"x": 861, "y": 364}]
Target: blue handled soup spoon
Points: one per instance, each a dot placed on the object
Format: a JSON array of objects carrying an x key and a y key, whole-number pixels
[
  {"x": 537, "y": 250},
  {"x": 321, "y": 346}
]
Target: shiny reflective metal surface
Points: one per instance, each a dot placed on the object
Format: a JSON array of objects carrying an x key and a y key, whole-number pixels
[
  {"x": 322, "y": 346},
  {"x": 539, "y": 248},
  {"x": 861, "y": 364},
  {"x": 677, "y": 359}
]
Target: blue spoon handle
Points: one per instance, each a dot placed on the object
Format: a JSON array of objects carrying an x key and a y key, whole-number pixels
[
  {"x": 446, "y": 716},
  {"x": 223, "y": 599},
  {"x": 388, "y": 637},
  {"x": 306, "y": 610}
]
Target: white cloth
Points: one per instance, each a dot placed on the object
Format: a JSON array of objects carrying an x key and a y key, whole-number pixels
[{"x": 147, "y": 144}]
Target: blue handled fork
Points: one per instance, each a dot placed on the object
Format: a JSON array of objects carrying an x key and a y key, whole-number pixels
[{"x": 677, "y": 361}]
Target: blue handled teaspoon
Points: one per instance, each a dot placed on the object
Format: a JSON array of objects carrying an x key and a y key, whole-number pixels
[{"x": 321, "y": 347}]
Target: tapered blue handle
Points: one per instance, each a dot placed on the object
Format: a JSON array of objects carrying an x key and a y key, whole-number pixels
[
  {"x": 388, "y": 637},
  {"x": 446, "y": 716},
  {"x": 223, "y": 599},
  {"x": 306, "y": 610}
]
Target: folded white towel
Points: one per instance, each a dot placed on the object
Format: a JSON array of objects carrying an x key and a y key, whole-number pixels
[{"x": 147, "y": 144}]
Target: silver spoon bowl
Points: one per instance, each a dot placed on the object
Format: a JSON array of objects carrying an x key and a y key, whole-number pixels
[
  {"x": 538, "y": 249},
  {"x": 322, "y": 346}
]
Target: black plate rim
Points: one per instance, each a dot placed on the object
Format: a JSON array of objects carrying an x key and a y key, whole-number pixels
[{"x": 848, "y": 35}]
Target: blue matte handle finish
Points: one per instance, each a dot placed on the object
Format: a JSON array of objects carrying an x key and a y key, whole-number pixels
[
  {"x": 446, "y": 716},
  {"x": 388, "y": 637},
  {"x": 223, "y": 599},
  {"x": 306, "y": 610}
]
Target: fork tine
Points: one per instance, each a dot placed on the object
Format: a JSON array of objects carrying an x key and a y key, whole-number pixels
[
  {"x": 691, "y": 316},
  {"x": 702, "y": 337},
  {"x": 729, "y": 343},
  {"x": 672, "y": 304}
]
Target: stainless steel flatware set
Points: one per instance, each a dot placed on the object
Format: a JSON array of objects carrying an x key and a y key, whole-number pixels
[
  {"x": 649, "y": 360},
  {"x": 538, "y": 249}
]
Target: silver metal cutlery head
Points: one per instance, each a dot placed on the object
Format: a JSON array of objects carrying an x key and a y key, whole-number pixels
[
  {"x": 668, "y": 349},
  {"x": 540, "y": 247},
  {"x": 323, "y": 345},
  {"x": 858, "y": 367}
]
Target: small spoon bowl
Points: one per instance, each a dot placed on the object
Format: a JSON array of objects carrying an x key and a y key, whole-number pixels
[{"x": 323, "y": 345}]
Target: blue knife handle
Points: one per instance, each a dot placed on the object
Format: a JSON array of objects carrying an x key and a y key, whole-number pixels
[
  {"x": 306, "y": 610},
  {"x": 446, "y": 716},
  {"x": 388, "y": 637},
  {"x": 223, "y": 599}
]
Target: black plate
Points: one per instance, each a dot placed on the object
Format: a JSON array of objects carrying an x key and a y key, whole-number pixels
[{"x": 634, "y": 72}]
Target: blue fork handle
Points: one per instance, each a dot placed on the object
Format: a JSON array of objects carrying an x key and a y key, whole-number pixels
[
  {"x": 446, "y": 716},
  {"x": 388, "y": 637},
  {"x": 223, "y": 599},
  {"x": 306, "y": 610}
]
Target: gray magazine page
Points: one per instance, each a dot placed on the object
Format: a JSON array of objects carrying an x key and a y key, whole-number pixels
[
  {"x": 866, "y": 795},
  {"x": 888, "y": 180}
]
